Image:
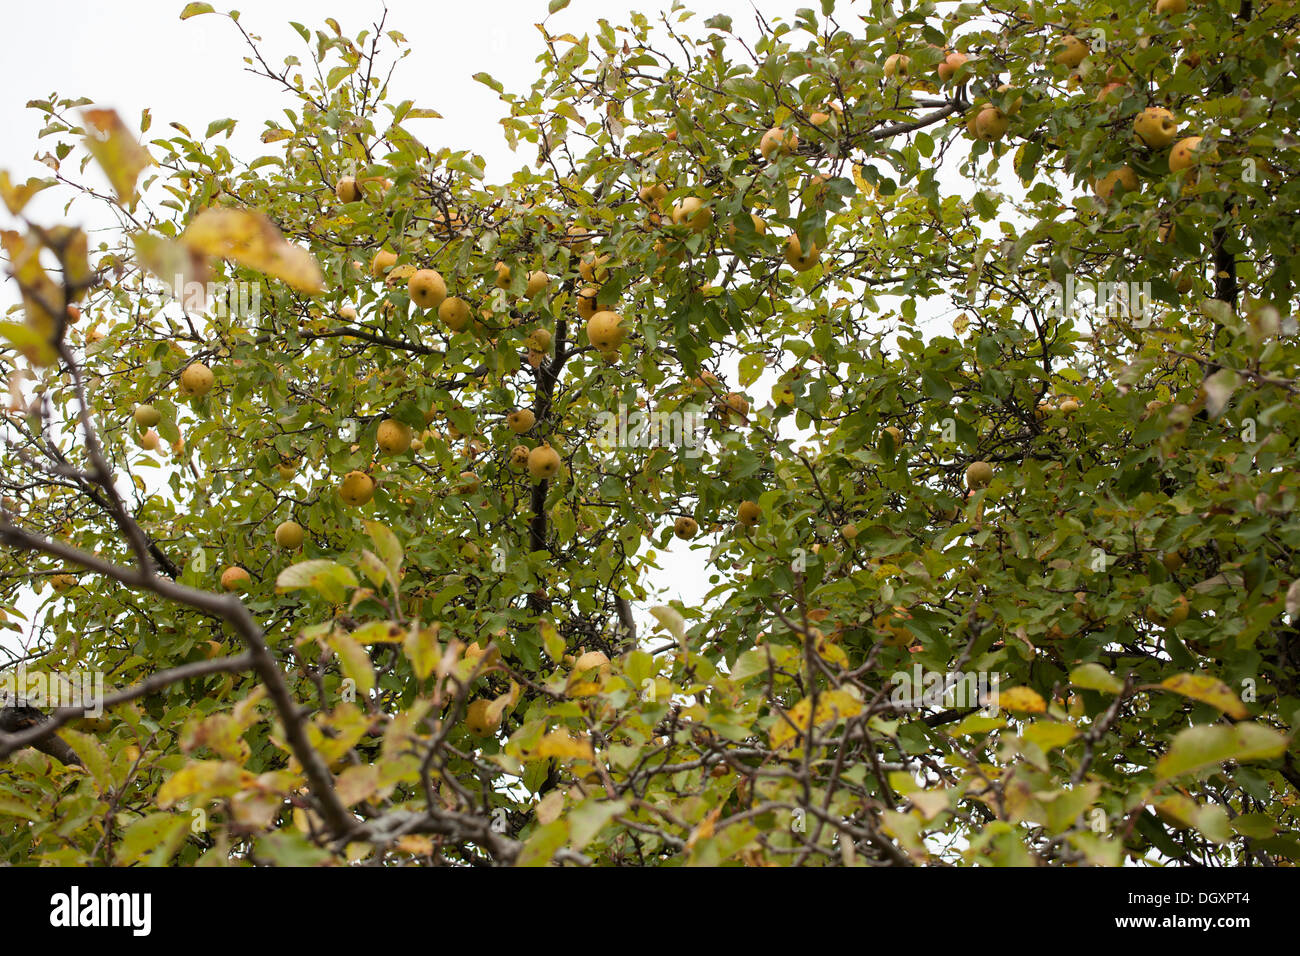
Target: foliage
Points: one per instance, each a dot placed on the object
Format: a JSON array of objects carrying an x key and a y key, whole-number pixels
[{"x": 448, "y": 672}]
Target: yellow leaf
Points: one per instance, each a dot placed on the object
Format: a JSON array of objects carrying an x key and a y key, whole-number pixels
[
  {"x": 117, "y": 151},
  {"x": 1209, "y": 690},
  {"x": 355, "y": 661},
  {"x": 422, "y": 650},
  {"x": 550, "y": 807},
  {"x": 704, "y": 831},
  {"x": 195, "y": 9},
  {"x": 416, "y": 845},
  {"x": 559, "y": 743},
  {"x": 1024, "y": 700},
  {"x": 16, "y": 197},
  {"x": 74, "y": 253},
  {"x": 929, "y": 803},
  {"x": 833, "y": 705},
  {"x": 380, "y": 632},
  {"x": 251, "y": 239},
  {"x": 357, "y": 783},
  {"x": 1049, "y": 734},
  {"x": 177, "y": 265},
  {"x": 216, "y": 778}
]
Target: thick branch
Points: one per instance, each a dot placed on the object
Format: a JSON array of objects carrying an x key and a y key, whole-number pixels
[
  {"x": 34, "y": 727},
  {"x": 233, "y": 611}
]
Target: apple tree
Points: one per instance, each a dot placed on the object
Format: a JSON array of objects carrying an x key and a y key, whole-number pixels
[{"x": 956, "y": 342}]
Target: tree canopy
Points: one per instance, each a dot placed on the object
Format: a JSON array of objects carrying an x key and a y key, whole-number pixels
[{"x": 956, "y": 340}]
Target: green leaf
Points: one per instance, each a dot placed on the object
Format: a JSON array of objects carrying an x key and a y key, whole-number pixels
[
  {"x": 1199, "y": 747},
  {"x": 1096, "y": 677},
  {"x": 751, "y": 367},
  {"x": 541, "y": 846},
  {"x": 93, "y": 756},
  {"x": 672, "y": 621},
  {"x": 1211, "y": 690},
  {"x": 156, "y": 835},
  {"x": 195, "y": 9},
  {"x": 389, "y": 548},
  {"x": 422, "y": 649},
  {"x": 220, "y": 126},
  {"x": 327, "y": 578},
  {"x": 750, "y": 663},
  {"x": 355, "y": 661},
  {"x": 587, "y": 819}
]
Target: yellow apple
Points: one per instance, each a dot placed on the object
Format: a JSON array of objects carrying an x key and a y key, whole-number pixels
[
  {"x": 146, "y": 416},
  {"x": 1171, "y": 6},
  {"x": 537, "y": 281},
  {"x": 897, "y": 65},
  {"x": 543, "y": 462},
  {"x": 950, "y": 65},
  {"x": 521, "y": 420},
  {"x": 62, "y": 582},
  {"x": 503, "y": 275},
  {"x": 289, "y": 535},
  {"x": 1012, "y": 106},
  {"x": 519, "y": 457},
  {"x": 381, "y": 262},
  {"x": 587, "y": 302},
  {"x": 427, "y": 288},
  {"x": 605, "y": 331},
  {"x": 356, "y": 488},
  {"x": 991, "y": 124},
  {"x": 480, "y": 718},
  {"x": 393, "y": 437},
  {"x": 685, "y": 528},
  {"x": 979, "y": 474},
  {"x": 592, "y": 269},
  {"x": 653, "y": 194},
  {"x": 760, "y": 227},
  {"x": 235, "y": 578},
  {"x": 1155, "y": 126},
  {"x": 454, "y": 313},
  {"x": 1124, "y": 177},
  {"x": 1071, "y": 52},
  {"x": 749, "y": 514},
  {"x": 777, "y": 142},
  {"x": 693, "y": 213},
  {"x": 577, "y": 238},
  {"x": 347, "y": 189},
  {"x": 798, "y": 259},
  {"x": 591, "y": 660},
  {"x": 1187, "y": 153},
  {"x": 197, "y": 380}
]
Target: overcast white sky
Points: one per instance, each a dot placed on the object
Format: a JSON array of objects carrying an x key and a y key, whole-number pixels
[{"x": 140, "y": 54}]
